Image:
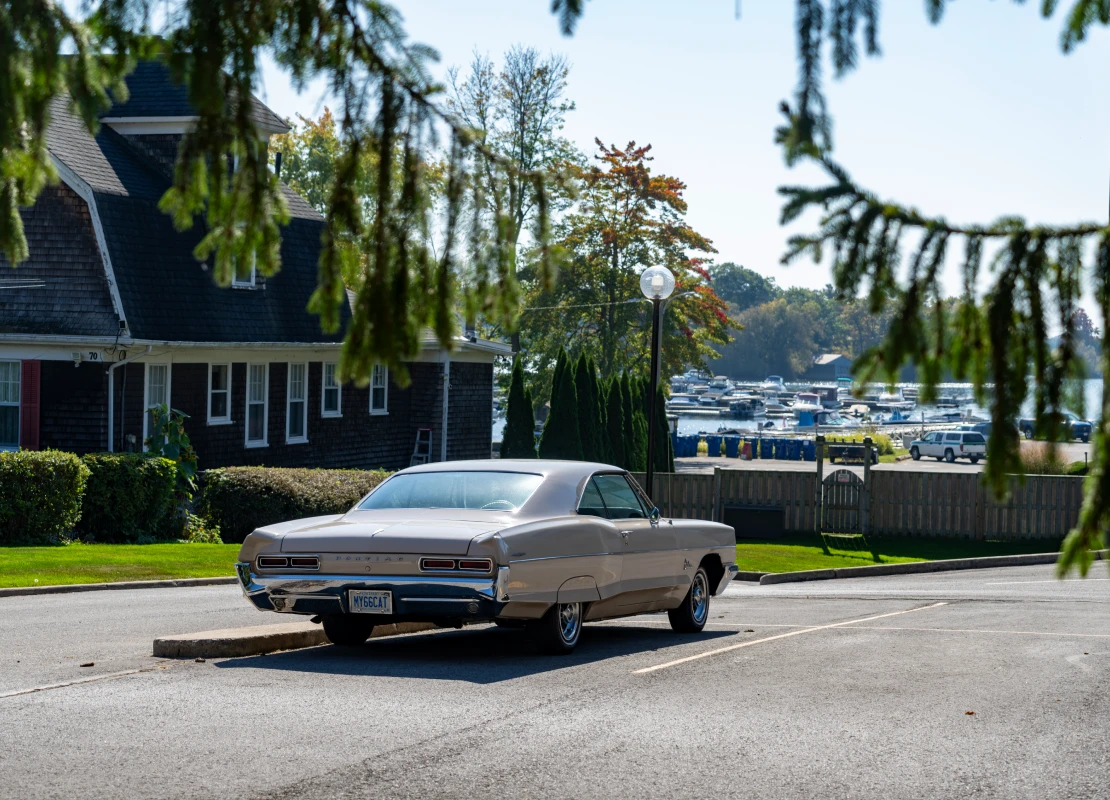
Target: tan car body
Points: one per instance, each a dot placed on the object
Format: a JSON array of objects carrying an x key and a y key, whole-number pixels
[{"x": 543, "y": 553}]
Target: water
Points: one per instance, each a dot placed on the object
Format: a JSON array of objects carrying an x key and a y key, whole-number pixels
[{"x": 1092, "y": 392}]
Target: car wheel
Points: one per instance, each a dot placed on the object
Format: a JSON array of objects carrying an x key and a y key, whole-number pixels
[
  {"x": 1028, "y": 433},
  {"x": 343, "y": 630},
  {"x": 974, "y": 459},
  {"x": 558, "y": 630},
  {"x": 915, "y": 454},
  {"x": 949, "y": 456},
  {"x": 690, "y": 617},
  {"x": 1086, "y": 439}
]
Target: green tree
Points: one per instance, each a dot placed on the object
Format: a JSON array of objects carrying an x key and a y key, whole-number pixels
[
  {"x": 614, "y": 423},
  {"x": 664, "y": 449},
  {"x": 589, "y": 422},
  {"x": 603, "y": 453},
  {"x": 561, "y": 433},
  {"x": 742, "y": 288},
  {"x": 516, "y": 111},
  {"x": 626, "y": 218},
  {"x": 635, "y": 425},
  {"x": 777, "y": 338},
  {"x": 518, "y": 440}
]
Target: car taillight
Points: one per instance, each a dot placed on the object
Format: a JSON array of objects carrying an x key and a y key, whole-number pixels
[
  {"x": 272, "y": 562},
  {"x": 476, "y": 564},
  {"x": 961, "y": 447},
  {"x": 436, "y": 564},
  {"x": 305, "y": 562}
]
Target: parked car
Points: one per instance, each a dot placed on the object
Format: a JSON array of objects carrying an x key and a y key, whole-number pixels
[
  {"x": 950, "y": 445},
  {"x": 547, "y": 545},
  {"x": 1073, "y": 427}
]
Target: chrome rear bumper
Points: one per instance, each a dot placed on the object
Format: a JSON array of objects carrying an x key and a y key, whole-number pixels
[
  {"x": 730, "y": 572},
  {"x": 413, "y": 595}
]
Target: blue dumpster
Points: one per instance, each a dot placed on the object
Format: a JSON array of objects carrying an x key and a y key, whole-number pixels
[
  {"x": 780, "y": 450},
  {"x": 809, "y": 450},
  {"x": 766, "y": 448},
  {"x": 674, "y": 444},
  {"x": 691, "y": 445},
  {"x": 796, "y": 450},
  {"x": 753, "y": 446},
  {"x": 732, "y": 446},
  {"x": 713, "y": 443}
]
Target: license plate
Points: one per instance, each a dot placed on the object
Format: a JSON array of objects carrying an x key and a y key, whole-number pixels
[{"x": 366, "y": 602}]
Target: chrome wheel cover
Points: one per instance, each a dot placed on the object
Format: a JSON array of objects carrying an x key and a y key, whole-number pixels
[
  {"x": 699, "y": 598},
  {"x": 570, "y": 621}
]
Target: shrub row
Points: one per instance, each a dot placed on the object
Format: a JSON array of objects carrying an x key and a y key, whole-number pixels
[
  {"x": 240, "y": 499},
  {"x": 47, "y": 496},
  {"x": 40, "y": 496}
]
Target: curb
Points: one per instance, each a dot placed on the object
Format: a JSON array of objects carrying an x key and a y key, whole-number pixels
[
  {"x": 261, "y": 639},
  {"x": 20, "y": 591},
  {"x": 915, "y": 567},
  {"x": 749, "y": 576}
]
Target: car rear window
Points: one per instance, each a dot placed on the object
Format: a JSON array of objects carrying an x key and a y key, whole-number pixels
[
  {"x": 974, "y": 438},
  {"x": 486, "y": 491}
]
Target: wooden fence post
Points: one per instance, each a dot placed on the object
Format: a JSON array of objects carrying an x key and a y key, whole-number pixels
[
  {"x": 716, "y": 494},
  {"x": 820, "y": 483},
  {"x": 865, "y": 501}
]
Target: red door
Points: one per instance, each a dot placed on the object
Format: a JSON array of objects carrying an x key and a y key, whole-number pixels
[{"x": 29, "y": 405}]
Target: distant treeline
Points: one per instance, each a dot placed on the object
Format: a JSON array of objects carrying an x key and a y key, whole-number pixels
[{"x": 784, "y": 329}]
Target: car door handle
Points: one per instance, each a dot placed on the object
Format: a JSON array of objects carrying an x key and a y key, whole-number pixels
[{"x": 625, "y": 535}]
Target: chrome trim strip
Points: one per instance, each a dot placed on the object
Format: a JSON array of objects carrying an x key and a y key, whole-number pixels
[
  {"x": 437, "y": 599},
  {"x": 501, "y": 586},
  {"x": 553, "y": 558},
  {"x": 303, "y": 584}
]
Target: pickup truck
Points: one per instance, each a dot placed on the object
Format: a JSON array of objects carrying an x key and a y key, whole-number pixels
[{"x": 1073, "y": 427}]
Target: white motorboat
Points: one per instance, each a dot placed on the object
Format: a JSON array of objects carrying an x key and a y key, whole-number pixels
[
  {"x": 773, "y": 383},
  {"x": 894, "y": 401},
  {"x": 806, "y": 403},
  {"x": 823, "y": 421},
  {"x": 720, "y": 383}
]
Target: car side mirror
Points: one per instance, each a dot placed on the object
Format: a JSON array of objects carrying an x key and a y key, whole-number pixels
[{"x": 654, "y": 516}]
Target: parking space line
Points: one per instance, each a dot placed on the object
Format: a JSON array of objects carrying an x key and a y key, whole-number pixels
[
  {"x": 1054, "y": 580},
  {"x": 973, "y": 630},
  {"x": 720, "y": 650},
  {"x": 91, "y": 679}
]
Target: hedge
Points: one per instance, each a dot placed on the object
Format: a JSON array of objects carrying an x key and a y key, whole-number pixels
[
  {"x": 240, "y": 499},
  {"x": 129, "y": 497},
  {"x": 40, "y": 496}
]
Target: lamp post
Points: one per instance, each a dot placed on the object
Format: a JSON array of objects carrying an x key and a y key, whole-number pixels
[{"x": 656, "y": 283}]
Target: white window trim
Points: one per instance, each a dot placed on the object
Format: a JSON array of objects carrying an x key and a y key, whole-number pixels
[
  {"x": 289, "y": 402},
  {"x": 236, "y": 283},
  {"x": 226, "y": 419},
  {"x": 18, "y": 404},
  {"x": 265, "y": 408},
  {"x": 147, "y": 405},
  {"x": 379, "y": 412},
  {"x": 339, "y": 392}
]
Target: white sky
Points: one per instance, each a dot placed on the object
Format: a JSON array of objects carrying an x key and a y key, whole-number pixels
[{"x": 977, "y": 118}]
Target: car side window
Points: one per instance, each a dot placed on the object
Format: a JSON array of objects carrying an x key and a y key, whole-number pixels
[
  {"x": 953, "y": 437},
  {"x": 620, "y": 501},
  {"x": 930, "y": 438},
  {"x": 591, "y": 503}
]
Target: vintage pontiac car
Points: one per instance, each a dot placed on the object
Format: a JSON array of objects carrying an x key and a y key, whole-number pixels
[{"x": 546, "y": 545}]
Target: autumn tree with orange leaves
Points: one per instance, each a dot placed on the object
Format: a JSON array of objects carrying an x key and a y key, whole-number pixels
[{"x": 625, "y": 220}]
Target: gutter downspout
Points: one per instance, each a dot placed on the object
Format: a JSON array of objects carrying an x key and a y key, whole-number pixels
[
  {"x": 446, "y": 391},
  {"x": 112, "y": 395}
]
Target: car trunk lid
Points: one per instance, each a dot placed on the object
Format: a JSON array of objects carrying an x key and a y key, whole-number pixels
[{"x": 431, "y": 537}]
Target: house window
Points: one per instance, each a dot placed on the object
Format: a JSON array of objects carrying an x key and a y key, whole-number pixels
[
  {"x": 9, "y": 405},
  {"x": 157, "y": 394},
  {"x": 219, "y": 394},
  {"x": 244, "y": 272},
  {"x": 258, "y": 401},
  {"x": 379, "y": 390},
  {"x": 296, "y": 405},
  {"x": 331, "y": 404}
]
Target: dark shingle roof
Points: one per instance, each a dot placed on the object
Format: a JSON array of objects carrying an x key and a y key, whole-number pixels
[
  {"x": 166, "y": 294},
  {"x": 152, "y": 93}
]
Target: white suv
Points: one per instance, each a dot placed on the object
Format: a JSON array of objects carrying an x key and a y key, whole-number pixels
[{"x": 950, "y": 445}]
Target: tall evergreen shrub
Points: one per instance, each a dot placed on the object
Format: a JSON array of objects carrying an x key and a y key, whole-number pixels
[
  {"x": 614, "y": 423},
  {"x": 518, "y": 440},
  {"x": 561, "y": 438},
  {"x": 589, "y": 422},
  {"x": 633, "y": 419}
]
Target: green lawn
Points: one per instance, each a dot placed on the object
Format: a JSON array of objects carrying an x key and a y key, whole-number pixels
[
  {"x": 798, "y": 552},
  {"x": 105, "y": 563}
]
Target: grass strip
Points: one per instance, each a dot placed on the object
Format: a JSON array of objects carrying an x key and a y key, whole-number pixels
[
  {"x": 106, "y": 563},
  {"x": 807, "y": 551}
]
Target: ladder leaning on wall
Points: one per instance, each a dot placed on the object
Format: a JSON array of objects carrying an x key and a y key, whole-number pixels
[{"x": 422, "y": 451}]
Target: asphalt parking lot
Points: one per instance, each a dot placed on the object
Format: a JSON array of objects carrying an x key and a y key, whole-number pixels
[
  {"x": 850, "y": 688},
  {"x": 1072, "y": 451}
]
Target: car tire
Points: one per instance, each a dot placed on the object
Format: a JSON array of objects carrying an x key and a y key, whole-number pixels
[
  {"x": 557, "y": 632},
  {"x": 950, "y": 456},
  {"x": 974, "y": 459},
  {"x": 915, "y": 454},
  {"x": 1028, "y": 433},
  {"x": 690, "y": 617},
  {"x": 1086, "y": 439},
  {"x": 345, "y": 631}
]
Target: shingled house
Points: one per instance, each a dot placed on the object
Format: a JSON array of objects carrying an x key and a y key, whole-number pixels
[{"x": 112, "y": 315}]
